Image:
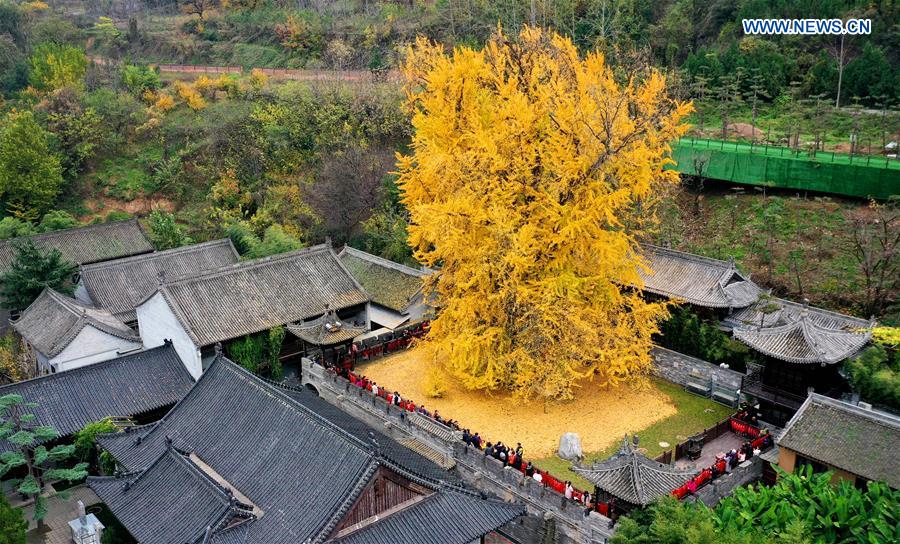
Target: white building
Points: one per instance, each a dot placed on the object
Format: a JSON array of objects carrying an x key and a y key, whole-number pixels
[
  {"x": 396, "y": 289},
  {"x": 198, "y": 312},
  {"x": 67, "y": 334}
]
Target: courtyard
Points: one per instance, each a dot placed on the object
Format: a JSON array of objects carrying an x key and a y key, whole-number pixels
[{"x": 658, "y": 411}]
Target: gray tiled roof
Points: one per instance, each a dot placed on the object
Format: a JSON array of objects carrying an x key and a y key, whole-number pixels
[
  {"x": 85, "y": 245},
  {"x": 119, "y": 285},
  {"x": 863, "y": 442},
  {"x": 315, "y": 331},
  {"x": 125, "y": 386},
  {"x": 256, "y": 295},
  {"x": 697, "y": 280},
  {"x": 447, "y": 517},
  {"x": 54, "y": 320},
  {"x": 390, "y": 284},
  {"x": 786, "y": 311},
  {"x": 302, "y": 469},
  {"x": 632, "y": 477},
  {"x": 191, "y": 501},
  {"x": 804, "y": 341}
]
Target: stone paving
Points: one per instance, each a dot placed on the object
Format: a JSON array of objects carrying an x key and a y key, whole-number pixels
[{"x": 61, "y": 509}]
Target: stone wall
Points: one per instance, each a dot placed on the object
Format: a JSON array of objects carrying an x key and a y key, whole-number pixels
[
  {"x": 677, "y": 368},
  {"x": 549, "y": 513}
]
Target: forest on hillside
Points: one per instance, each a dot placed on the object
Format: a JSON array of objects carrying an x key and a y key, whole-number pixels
[{"x": 280, "y": 164}]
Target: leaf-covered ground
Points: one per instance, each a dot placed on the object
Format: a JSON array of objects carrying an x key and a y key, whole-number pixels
[{"x": 658, "y": 412}]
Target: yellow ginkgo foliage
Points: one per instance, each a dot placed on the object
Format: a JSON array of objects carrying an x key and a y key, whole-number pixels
[{"x": 533, "y": 171}]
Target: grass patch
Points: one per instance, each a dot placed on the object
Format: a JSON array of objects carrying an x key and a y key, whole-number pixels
[
  {"x": 127, "y": 176},
  {"x": 693, "y": 414}
]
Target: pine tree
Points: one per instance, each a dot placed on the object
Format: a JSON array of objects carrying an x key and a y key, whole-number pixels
[
  {"x": 31, "y": 272},
  {"x": 533, "y": 173},
  {"x": 25, "y": 449}
]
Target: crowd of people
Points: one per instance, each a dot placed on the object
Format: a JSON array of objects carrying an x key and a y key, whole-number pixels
[
  {"x": 759, "y": 441},
  {"x": 509, "y": 456},
  {"x": 743, "y": 423}
]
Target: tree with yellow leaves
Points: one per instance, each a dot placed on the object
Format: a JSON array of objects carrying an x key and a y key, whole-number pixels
[{"x": 533, "y": 172}]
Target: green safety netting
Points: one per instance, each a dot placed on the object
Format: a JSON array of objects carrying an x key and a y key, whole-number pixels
[{"x": 865, "y": 177}]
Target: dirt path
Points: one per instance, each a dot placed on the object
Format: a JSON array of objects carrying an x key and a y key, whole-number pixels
[{"x": 359, "y": 76}]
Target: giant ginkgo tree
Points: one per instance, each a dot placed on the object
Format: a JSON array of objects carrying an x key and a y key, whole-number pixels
[{"x": 532, "y": 175}]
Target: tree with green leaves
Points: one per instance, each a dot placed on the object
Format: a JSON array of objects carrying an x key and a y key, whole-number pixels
[
  {"x": 875, "y": 374},
  {"x": 801, "y": 508},
  {"x": 28, "y": 453},
  {"x": 86, "y": 446},
  {"x": 259, "y": 352},
  {"x": 57, "y": 220},
  {"x": 31, "y": 271},
  {"x": 165, "y": 232},
  {"x": 30, "y": 174},
  {"x": 54, "y": 66},
  {"x": 12, "y": 523},
  {"x": 13, "y": 227}
]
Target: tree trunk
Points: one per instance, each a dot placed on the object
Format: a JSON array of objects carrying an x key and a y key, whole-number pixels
[{"x": 837, "y": 100}]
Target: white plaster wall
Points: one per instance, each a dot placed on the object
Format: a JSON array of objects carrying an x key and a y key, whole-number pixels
[
  {"x": 157, "y": 323},
  {"x": 81, "y": 293},
  {"x": 417, "y": 309},
  {"x": 89, "y": 347}
]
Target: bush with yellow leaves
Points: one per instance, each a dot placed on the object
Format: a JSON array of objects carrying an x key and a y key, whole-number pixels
[
  {"x": 190, "y": 95},
  {"x": 435, "y": 384},
  {"x": 164, "y": 102},
  {"x": 258, "y": 79}
]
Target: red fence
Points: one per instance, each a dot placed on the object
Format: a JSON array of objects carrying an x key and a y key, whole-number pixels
[
  {"x": 760, "y": 440},
  {"x": 199, "y": 69}
]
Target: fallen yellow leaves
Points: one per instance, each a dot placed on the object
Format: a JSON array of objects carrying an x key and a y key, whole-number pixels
[{"x": 600, "y": 416}]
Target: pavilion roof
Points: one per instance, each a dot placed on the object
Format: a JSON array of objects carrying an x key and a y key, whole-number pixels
[
  {"x": 85, "y": 245},
  {"x": 253, "y": 296},
  {"x": 390, "y": 284},
  {"x": 301, "y": 464},
  {"x": 53, "y": 321},
  {"x": 326, "y": 330},
  {"x": 771, "y": 311},
  {"x": 862, "y": 441},
  {"x": 122, "y": 387},
  {"x": 119, "y": 285},
  {"x": 633, "y": 477},
  {"x": 805, "y": 339},
  {"x": 702, "y": 281}
]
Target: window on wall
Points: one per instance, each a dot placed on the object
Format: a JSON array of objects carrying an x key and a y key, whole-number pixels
[{"x": 805, "y": 461}]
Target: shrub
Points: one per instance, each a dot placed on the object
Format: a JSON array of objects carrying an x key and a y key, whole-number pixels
[
  {"x": 86, "y": 442},
  {"x": 435, "y": 383},
  {"x": 876, "y": 376}
]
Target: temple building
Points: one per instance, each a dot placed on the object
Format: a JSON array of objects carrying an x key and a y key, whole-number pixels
[
  {"x": 802, "y": 348},
  {"x": 83, "y": 245},
  {"x": 327, "y": 337},
  {"x": 856, "y": 443},
  {"x": 65, "y": 333},
  {"x": 119, "y": 285},
  {"x": 137, "y": 386},
  {"x": 632, "y": 478},
  {"x": 799, "y": 347},
  {"x": 700, "y": 281},
  {"x": 396, "y": 289},
  {"x": 241, "y": 461},
  {"x": 231, "y": 302}
]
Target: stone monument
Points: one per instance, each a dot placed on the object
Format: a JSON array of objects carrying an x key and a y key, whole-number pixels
[{"x": 570, "y": 447}]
